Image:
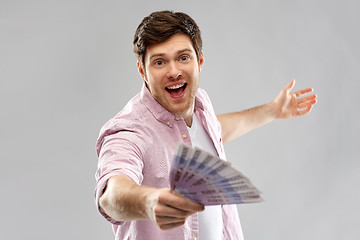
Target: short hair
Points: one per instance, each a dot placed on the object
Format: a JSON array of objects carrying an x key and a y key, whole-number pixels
[{"x": 162, "y": 25}]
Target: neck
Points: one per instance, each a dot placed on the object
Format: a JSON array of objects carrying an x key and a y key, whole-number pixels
[
  {"x": 188, "y": 115},
  {"x": 188, "y": 121}
]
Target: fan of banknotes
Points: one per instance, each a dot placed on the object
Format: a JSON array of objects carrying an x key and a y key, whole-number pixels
[{"x": 209, "y": 180}]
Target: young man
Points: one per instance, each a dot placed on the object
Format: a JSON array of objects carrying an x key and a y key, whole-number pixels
[{"x": 136, "y": 147}]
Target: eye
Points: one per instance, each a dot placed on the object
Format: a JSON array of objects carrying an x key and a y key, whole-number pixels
[
  {"x": 158, "y": 62},
  {"x": 184, "y": 58}
]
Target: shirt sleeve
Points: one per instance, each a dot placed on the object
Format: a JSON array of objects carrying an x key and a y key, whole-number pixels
[{"x": 119, "y": 154}]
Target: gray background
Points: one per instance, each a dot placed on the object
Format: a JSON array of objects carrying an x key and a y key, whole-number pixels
[{"x": 66, "y": 67}]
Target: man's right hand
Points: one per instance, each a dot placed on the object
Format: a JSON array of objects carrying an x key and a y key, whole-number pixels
[
  {"x": 168, "y": 209},
  {"x": 124, "y": 200}
]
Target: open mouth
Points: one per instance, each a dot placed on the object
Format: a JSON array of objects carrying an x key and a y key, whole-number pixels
[{"x": 176, "y": 90}]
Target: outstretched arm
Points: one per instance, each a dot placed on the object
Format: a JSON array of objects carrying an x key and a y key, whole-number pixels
[{"x": 286, "y": 105}]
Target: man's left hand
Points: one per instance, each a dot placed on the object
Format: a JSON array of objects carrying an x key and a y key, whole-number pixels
[{"x": 291, "y": 104}]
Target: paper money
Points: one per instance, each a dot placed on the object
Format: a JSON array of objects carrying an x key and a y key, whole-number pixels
[{"x": 209, "y": 180}]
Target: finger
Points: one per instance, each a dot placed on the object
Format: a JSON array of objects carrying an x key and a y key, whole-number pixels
[
  {"x": 303, "y": 92},
  {"x": 306, "y": 104},
  {"x": 307, "y": 110},
  {"x": 169, "y": 211},
  {"x": 180, "y": 202},
  {"x": 307, "y": 98},
  {"x": 168, "y": 220},
  {"x": 171, "y": 225}
]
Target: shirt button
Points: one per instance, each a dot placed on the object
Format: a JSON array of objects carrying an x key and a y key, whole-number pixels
[
  {"x": 184, "y": 135},
  {"x": 168, "y": 123},
  {"x": 177, "y": 118},
  {"x": 194, "y": 238}
]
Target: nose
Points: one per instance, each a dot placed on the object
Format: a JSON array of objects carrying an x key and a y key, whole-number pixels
[{"x": 174, "y": 72}]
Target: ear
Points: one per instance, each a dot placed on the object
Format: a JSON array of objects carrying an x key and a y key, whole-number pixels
[
  {"x": 141, "y": 71},
  {"x": 201, "y": 61}
]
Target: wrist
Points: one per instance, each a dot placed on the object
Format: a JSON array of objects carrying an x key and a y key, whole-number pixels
[
  {"x": 149, "y": 200},
  {"x": 274, "y": 110}
]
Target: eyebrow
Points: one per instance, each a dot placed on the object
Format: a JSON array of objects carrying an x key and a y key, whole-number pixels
[{"x": 178, "y": 53}]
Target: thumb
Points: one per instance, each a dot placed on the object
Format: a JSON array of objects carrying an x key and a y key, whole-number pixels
[{"x": 291, "y": 85}]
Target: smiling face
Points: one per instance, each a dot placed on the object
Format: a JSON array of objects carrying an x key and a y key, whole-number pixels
[{"x": 172, "y": 74}]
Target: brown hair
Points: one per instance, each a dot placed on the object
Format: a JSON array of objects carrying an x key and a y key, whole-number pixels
[{"x": 159, "y": 27}]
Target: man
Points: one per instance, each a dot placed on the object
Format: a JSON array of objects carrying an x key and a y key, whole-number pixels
[{"x": 136, "y": 147}]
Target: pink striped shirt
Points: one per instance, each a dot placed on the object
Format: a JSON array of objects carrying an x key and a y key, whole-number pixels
[{"x": 139, "y": 142}]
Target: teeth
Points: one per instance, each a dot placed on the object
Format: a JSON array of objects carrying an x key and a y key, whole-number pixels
[{"x": 176, "y": 86}]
